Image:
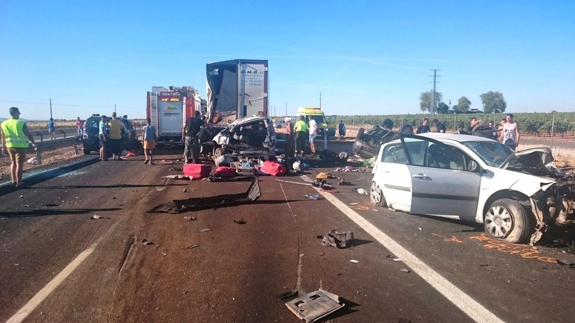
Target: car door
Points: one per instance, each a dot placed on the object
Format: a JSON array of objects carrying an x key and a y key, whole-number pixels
[
  {"x": 392, "y": 176},
  {"x": 441, "y": 183}
]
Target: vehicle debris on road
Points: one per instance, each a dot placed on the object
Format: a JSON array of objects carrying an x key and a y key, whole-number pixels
[
  {"x": 190, "y": 218},
  {"x": 338, "y": 239},
  {"x": 354, "y": 261},
  {"x": 96, "y": 217},
  {"x": 314, "y": 306},
  {"x": 240, "y": 221},
  {"x": 145, "y": 242},
  {"x": 362, "y": 191},
  {"x": 312, "y": 197},
  {"x": 179, "y": 177},
  {"x": 406, "y": 270},
  {"x": 205, "y": 230}
]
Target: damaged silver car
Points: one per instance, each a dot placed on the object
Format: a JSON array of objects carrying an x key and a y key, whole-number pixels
[
  {"x": 250, "y": 136},
  {"x": 515, "y": 195}
]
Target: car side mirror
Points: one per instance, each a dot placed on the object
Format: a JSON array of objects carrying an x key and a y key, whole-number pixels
[{"x": 473, "y": 166}]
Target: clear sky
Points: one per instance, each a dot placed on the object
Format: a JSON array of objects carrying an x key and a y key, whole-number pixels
[{"x": 366, "y": 57}]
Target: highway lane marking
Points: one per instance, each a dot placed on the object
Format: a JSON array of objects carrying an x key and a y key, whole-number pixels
[
  {"x": 464, "y": 302},
  {"x": 51, "y": 286}
]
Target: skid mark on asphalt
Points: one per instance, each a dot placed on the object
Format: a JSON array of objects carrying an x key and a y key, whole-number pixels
[
  {"x": 299, "y": 255},
  {"x": 463, "y": 301},
  {"x": 51, "y": 286}
]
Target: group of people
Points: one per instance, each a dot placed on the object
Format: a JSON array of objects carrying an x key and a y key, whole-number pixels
[
  {"x": 507, "y": 132},
  {"x": 110, "y": 136},
  {"x": 297, "y": 134}
]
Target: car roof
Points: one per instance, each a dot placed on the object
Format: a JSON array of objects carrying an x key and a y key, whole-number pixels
[
  {"x": 453, "y": 137},
  {"x": 247, "y": 120}
]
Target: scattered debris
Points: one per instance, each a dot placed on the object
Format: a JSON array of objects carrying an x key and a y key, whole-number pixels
[
  {"x": 396, "y": 259},
  {"x": 353, "y": 204},
  {"x": 354, "y": 261},
  {"x": 96, "y": 217},
  {"x": 338, "y": 239},
  {"x": 315, "y": 305},
  {"x": 184, "y": 292},
  {"x": 568, "y": 264},
  {"x": 484, "y": 265},
  {"x": 52, "y": 204},
  {"x": 185, "y": 190},
  {"x": 193, "y": 246},
  {"x": 190, "y": 218},
  {"x": 240, "y": 221},
  {"x": 324, "y": 175},
  {"x": 406, "y": 270},
  {"x": 32, "y": 160},
  {"x": 205, "y": 230},
  {"x": 146, "y": 242},
  {"x": 319, "y": 236},
  {"x": 203, "y": 203},
  {"x": 130, "y": 154},
  {"x": 312, "y": 197},
  {"x": 178, "y": 177},
  {"x": 21, "y": 196},
  {"x": 288, "y": 294},
  {"x": 362, "y": 191}
]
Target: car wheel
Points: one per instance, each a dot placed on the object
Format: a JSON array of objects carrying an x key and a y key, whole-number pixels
[
  {"x": 376, "y": 195},
  {"x": 87, "y": 151},
  {"x": 507, "y": 220}
]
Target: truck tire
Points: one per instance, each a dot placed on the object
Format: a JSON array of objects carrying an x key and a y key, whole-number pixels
[{"x": 508, "y": 220}]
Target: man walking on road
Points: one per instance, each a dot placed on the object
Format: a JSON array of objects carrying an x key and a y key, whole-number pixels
[
  {"x": 115, "y": 139},
  {"x": 301, "y": 130},
  {"x": 312, "y": 134},
  {"x": 150, "y": 138},
  {"x": 51, "y": 128},
  {"x": 15, "y": 136},
  {"x": 190, "y": 137}
]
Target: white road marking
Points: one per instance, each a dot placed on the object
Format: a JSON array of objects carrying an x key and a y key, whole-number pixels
[
  {"x": 464, "y": 302},
  {"x": 50, "y": 287}
]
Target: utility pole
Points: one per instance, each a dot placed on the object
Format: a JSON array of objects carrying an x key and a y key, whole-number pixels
[
  {"x": 286, "y": 110},
  {"x": 320, "y": 99},
  {"x": 50, "y": 108},
  {"x": 114, "y": 108},
  {"x": 434, "y": 103}
]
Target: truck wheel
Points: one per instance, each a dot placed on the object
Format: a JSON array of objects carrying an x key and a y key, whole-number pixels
[
  {"x": 507, "y": 220},
  {"x": 376, "y": 195},
  {"x": 87, "y": 151}
]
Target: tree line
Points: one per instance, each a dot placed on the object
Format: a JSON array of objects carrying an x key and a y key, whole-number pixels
[{"x": 492, "y": 101}]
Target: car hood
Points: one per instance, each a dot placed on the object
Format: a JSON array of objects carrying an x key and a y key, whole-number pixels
[{"x": 534, "y": 161}]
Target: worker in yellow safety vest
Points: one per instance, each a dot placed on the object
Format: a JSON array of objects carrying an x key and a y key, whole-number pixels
[
  {"x": 301, "y": 128},
  {"x": 15, "y": 136}
]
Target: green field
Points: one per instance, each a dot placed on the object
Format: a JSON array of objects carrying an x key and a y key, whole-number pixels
[{"x": 533, "y": 123}]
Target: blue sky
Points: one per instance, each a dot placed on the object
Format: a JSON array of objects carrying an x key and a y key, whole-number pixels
[{"x": 366, "y": 57}]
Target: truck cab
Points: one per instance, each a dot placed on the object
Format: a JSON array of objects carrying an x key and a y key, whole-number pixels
[{"x": 322, "y": 121}]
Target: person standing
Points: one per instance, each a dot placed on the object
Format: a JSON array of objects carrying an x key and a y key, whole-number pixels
[
  {"x": 51, "y": 128},
  {"x": 510, "y": 132},
  {"x": 15, "y": 136},
  {"x": 312, "y": 134},
  {"x": 150, "y": 138},
  {"x": 116, "y": 128},
  {"x": 500, "y": 130},
  {"x": 341, "y": 129},
  {"x": 439, "y": 127},
  {"x": 290, "y": 138},
  {"x": 103, "y": 135},
  {"x": 80, "y": 127},
  {"x": 424, "y": 127},
  {"x": 301, "y": 130},
  {"x": 190, "y": 137}
]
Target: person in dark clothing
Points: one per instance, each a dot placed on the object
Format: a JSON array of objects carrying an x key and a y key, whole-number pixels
[
  {"x": 424, "y": 127},
  {"x": 189, "y": 136},
  {"x": 341, "y": 129},
  {"x": 439, "y": 127}
]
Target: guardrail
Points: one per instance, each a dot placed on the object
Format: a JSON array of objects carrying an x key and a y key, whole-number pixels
[{"x": 43, "y": 146}]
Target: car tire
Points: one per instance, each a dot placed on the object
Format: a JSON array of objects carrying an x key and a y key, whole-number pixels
[
  {"x": 407, "y": 129},
  {"x": 376, "y": 195},
  {"x": 508, "y": 220},
  {"x": 360, "y": 133},
  {"x": 87, "y": 151}
]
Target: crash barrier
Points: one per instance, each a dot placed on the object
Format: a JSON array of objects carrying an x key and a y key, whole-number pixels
[
  {"x": 64, "y": 132},
  {"x": 44, "y": 146}
]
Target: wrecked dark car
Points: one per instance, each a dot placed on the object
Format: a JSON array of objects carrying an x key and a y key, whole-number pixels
[
  {"x": 250, "y": 136},
  {"x": 367, "y": 144}
]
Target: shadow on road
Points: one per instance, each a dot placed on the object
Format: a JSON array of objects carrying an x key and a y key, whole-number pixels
[
  {"x": 347, "y": 309},
  {"x": 44, "y": 212},
  {"x": 104, "y": 186}
]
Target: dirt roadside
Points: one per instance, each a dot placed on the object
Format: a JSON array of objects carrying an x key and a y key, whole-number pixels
[{"x": 51, "y": 157}]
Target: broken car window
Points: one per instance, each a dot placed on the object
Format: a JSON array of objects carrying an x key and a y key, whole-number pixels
[{"x": 492, "y": 153}]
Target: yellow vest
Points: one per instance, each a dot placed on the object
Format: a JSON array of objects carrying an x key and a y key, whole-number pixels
[
  {"x": 14, "y": 135},
  {"x": 301, "y": 126},
  {"x": 115, "y": 129}
]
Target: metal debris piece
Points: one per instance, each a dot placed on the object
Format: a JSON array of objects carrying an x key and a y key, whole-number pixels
[
  {"x": 396, "y": 259},
  {"x": 354, "y": 261},
  {"x": 240, "y": 221},
  {"x": 314, "y": 306},
  {"x": 338, "y": 239},
  {"x": 362, "y": 191},
  {"x": 205, "y": 230},
  {"x": 406, "y": 270},
  {"x": 190, "y": 218},
  {"x": 185, "y": 190},
  {"x": 96, "y": 217},
  {"x": 178, "y": 177},
  {"x": 314, "y": 197},
  {"x": 193, "y": 246},
  {"x": 353, "y": 204},
  {"x": 146, "y": 242}
]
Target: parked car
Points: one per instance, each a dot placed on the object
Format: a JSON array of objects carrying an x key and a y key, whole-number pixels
[
  {"x": 250, "y": 136},
  {"x": 514, "y": 195},
  {"x": 91, "y": 142}
]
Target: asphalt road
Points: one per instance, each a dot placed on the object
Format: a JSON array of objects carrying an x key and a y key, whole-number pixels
[{"x": 59, "y": 265}]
